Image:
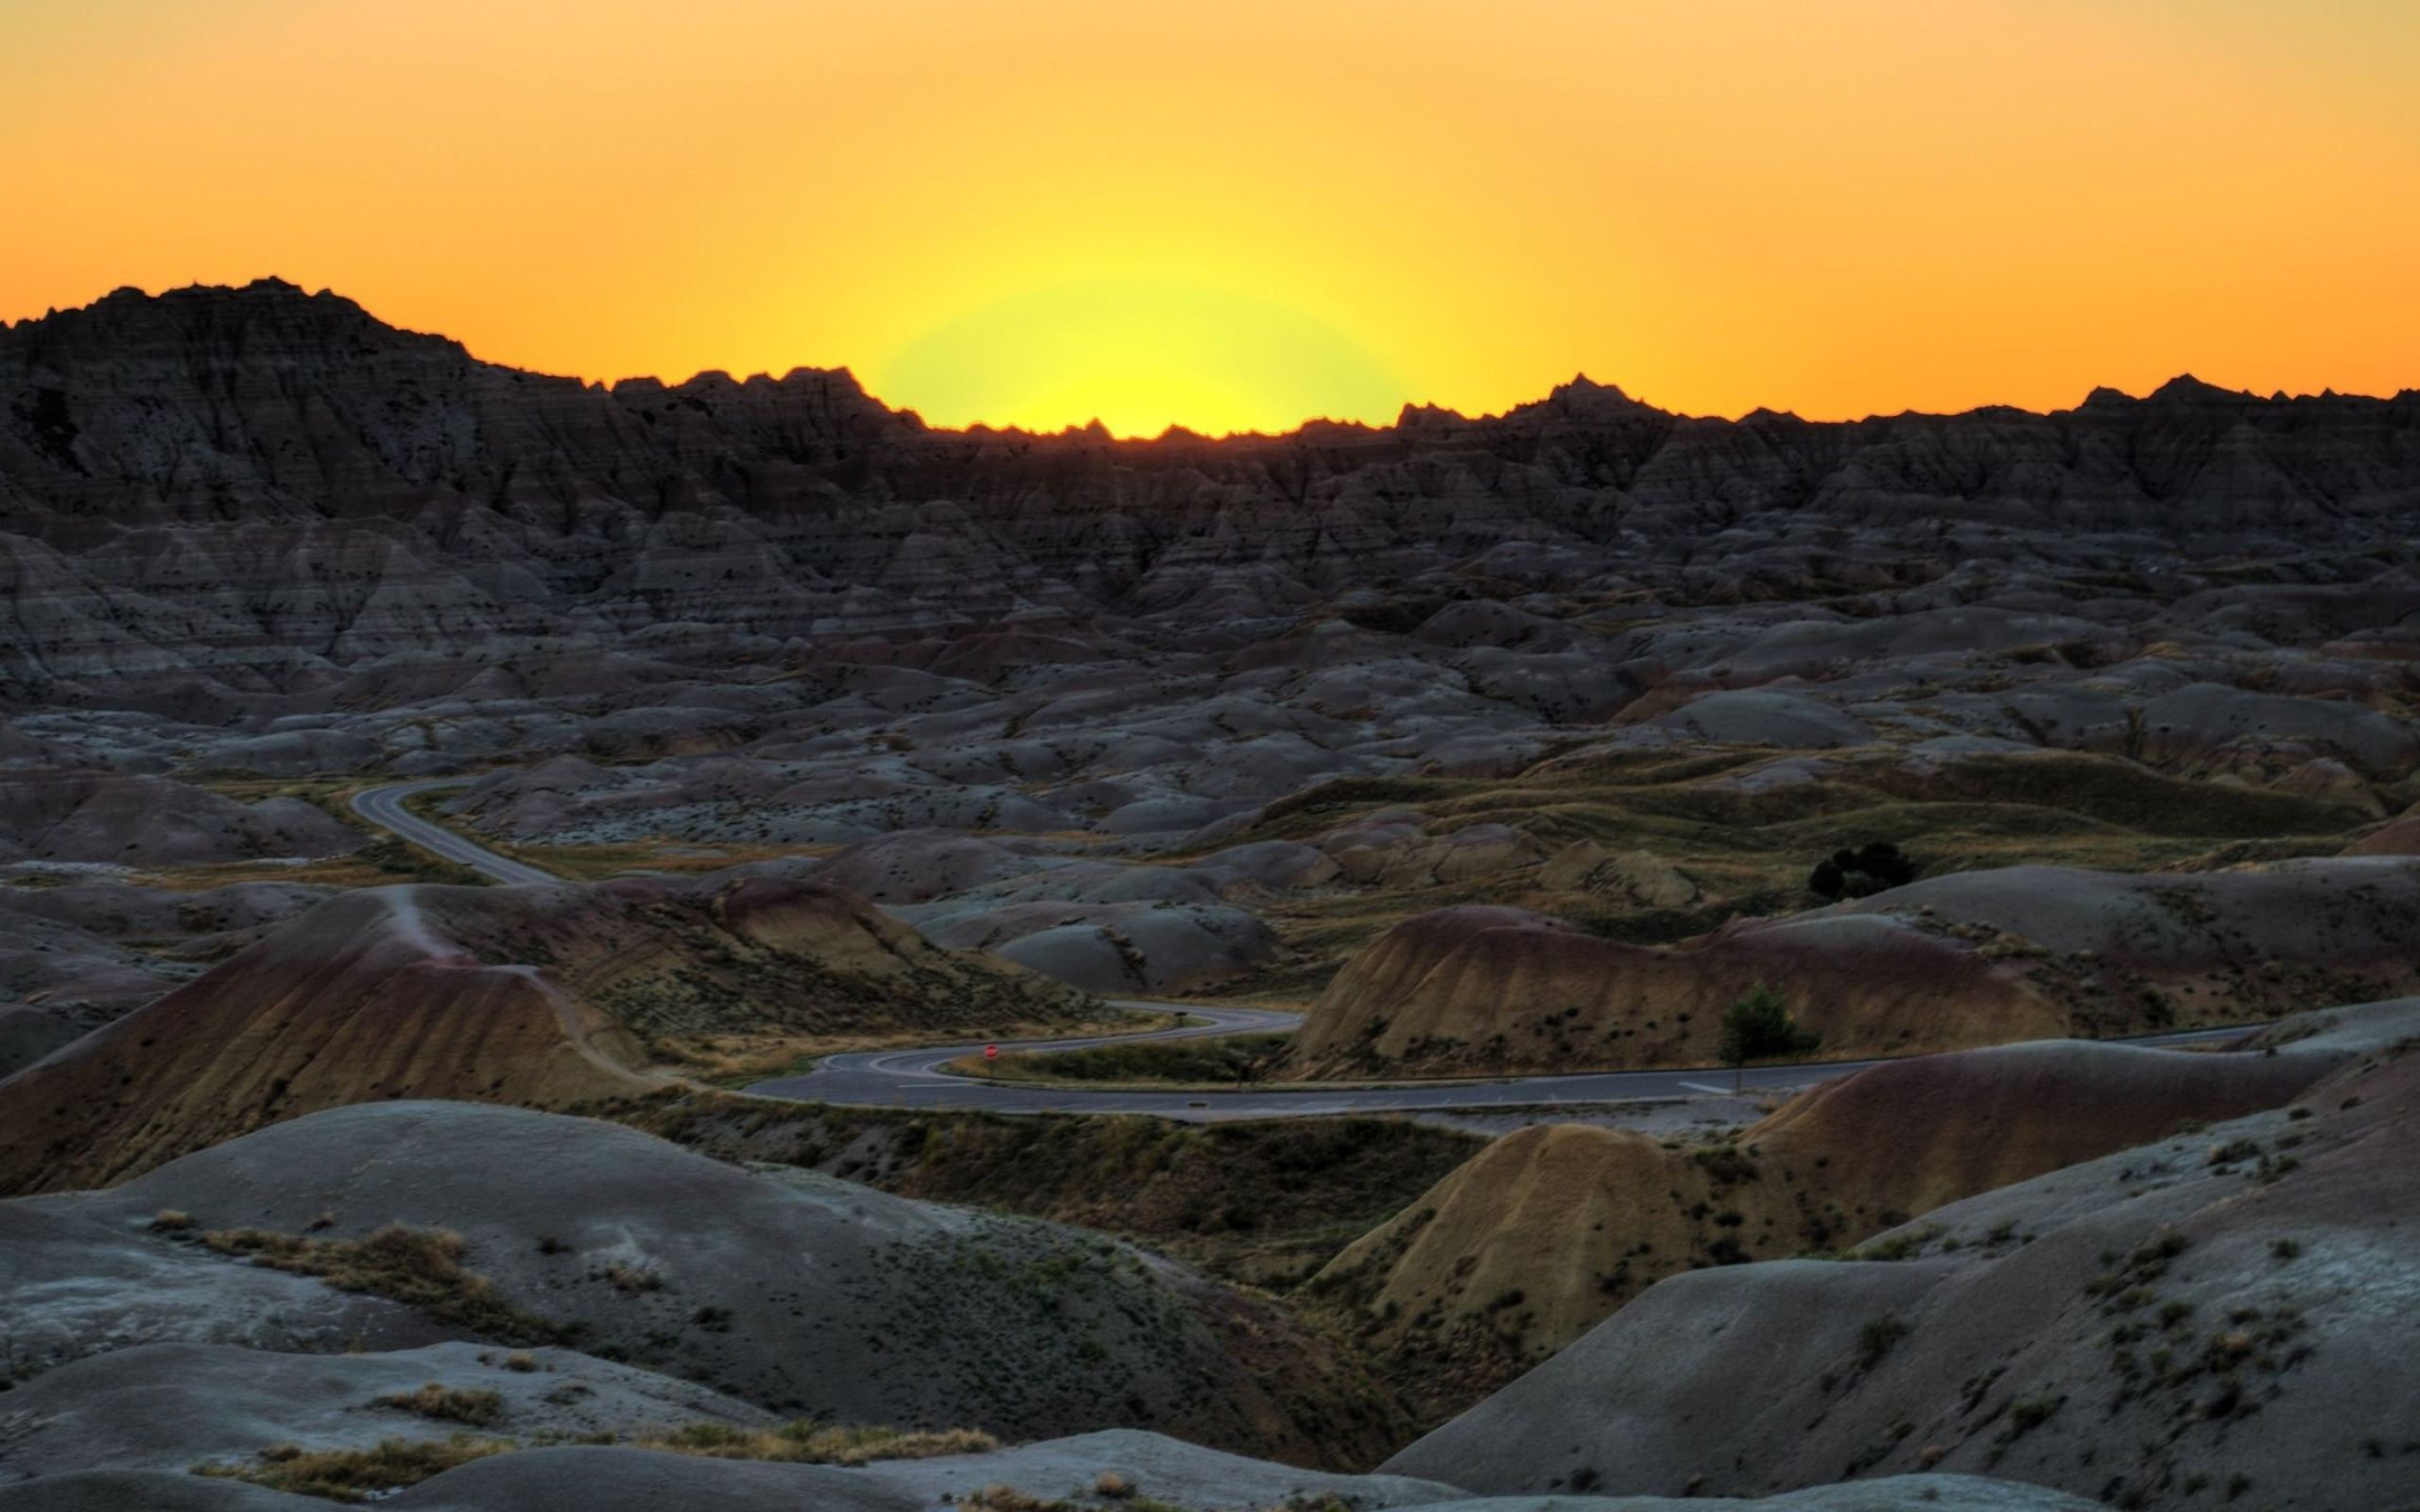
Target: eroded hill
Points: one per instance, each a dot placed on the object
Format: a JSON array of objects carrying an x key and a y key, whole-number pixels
[
  {"x": 546, "y": 996},
  {"x": 2179, "y": 1323}
]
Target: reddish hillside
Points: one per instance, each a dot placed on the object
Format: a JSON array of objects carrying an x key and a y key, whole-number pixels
[
  {"x": 1544, "y": 1233},
  {"x": 539, "y": 996},
  {"x": 1499, "y": 989}
]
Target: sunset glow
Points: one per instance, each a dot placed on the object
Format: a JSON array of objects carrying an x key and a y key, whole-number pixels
[{"x": 1244, "y": 216}]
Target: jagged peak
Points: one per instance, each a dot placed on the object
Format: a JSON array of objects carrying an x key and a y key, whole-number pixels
[
  {"x": 2185, "y": 388},
  {"x": 1414, "y": 415},
  {"x": 1583, "y": 387},
  {"x": 1581, "y": 397}
]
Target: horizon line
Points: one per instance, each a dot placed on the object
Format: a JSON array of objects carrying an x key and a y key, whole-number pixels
[{"x": 1578, "y": 382}]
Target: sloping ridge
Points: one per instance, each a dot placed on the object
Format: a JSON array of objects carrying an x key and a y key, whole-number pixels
[
  {"x": 541, "y": 997},
  {"x": 363, "y": 998},
  {"x": 803, "y": 1294},
  {"x": 1550, "y": 1230},
  {"x": 2198, "y": 1314},
  {"x": 1964, "y": 959},
  {"x": 1502, "y": 989}
]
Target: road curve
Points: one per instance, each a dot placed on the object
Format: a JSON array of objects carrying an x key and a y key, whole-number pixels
[
  {"x": 913, "y": 1079},
  {"x": 383, "y": 807}
]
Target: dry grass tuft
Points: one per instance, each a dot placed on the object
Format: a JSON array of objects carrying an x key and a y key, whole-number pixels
[
  {"x": 366, "y": 1474},
  {"x": 635, "y": 1278},
  {"x": 358, "y": 1474},
  {"x": 999, "y": 1498},
  {"x": 806, "y": 1443},
  {"x": 419, "y": 1267},
  {"x": 450, "y": 1404}
]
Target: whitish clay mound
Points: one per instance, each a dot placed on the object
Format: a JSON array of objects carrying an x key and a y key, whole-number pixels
[
  {"x": 168, "y": 1407},
  {"x": 2220, "y": 1308},
  {"x": 1548, "y": 1231},
  {"x": 802, "y": 1295},
  {"x": 1061, "y": 1472},
  {"x": 540, "y": 996}
]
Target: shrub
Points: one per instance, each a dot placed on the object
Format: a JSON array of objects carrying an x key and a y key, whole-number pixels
[
  {"x": 1240, "y": 1058},
  {"x": 1757, "y": 1025},
  {"x": 171, "y": 1221},
  {"x": 1879, "y": 1338},
  {"x": 2029, "y": 1413},
  {"x": 1875, "y": 866}
]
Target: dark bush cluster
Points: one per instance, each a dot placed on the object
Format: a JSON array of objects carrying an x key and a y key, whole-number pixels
[{"x": 1860, "y": 873}]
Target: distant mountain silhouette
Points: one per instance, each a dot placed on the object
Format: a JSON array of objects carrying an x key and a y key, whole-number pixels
[{"x": 258, "y": 485}]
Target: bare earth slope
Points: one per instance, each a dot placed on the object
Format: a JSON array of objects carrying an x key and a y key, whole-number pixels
[
  {"x": 1979, "y": 957},
  {"x": 540, "y": 996},
  {"x": 2185, "y": 1321},
  {"x": 1548, "y": 1231},
  {"x": 803, "y": 1295}
]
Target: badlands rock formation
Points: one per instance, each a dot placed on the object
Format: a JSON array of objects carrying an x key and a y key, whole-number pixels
[
  {"x": 1502, "y": 743},
  {"x": 1983, "y": 957},
  {"x": 2203, "y": 1316},
  {"x": 544, "y": 996},
  {"x": 255, "y": 531},
  {"x": 801, "y": 1294},
  {"x": 74, "y": 815},
  {"x": 1548, "y": 1231}
]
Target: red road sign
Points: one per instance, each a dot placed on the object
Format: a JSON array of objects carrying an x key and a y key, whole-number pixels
[{"x": 991, "y": 1052}]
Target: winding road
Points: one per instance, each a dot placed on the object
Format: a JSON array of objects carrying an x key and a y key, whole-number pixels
[
  {"x": 913, "y": 1079},
  {"x": 383, "y": 807}
]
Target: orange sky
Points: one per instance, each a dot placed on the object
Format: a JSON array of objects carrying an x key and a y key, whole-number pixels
[{"x": 1248, "y": 212}]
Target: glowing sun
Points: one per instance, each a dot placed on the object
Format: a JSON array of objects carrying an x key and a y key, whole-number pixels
[{"x": 1139, "y": 357}]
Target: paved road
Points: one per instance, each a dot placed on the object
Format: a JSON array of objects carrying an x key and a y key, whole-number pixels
[
  {"x": 912, "y": 1078},
  {"x": 383, "y": 807}
]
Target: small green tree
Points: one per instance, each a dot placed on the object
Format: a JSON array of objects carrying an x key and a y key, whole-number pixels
[{"x": 1758, "y": 1026}]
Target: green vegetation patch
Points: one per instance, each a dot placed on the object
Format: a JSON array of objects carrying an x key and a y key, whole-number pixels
[{"x": 1232, "y": 1058}]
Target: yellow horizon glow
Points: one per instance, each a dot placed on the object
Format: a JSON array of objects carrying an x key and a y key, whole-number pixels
[{"x": 1248, "y": 217}]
